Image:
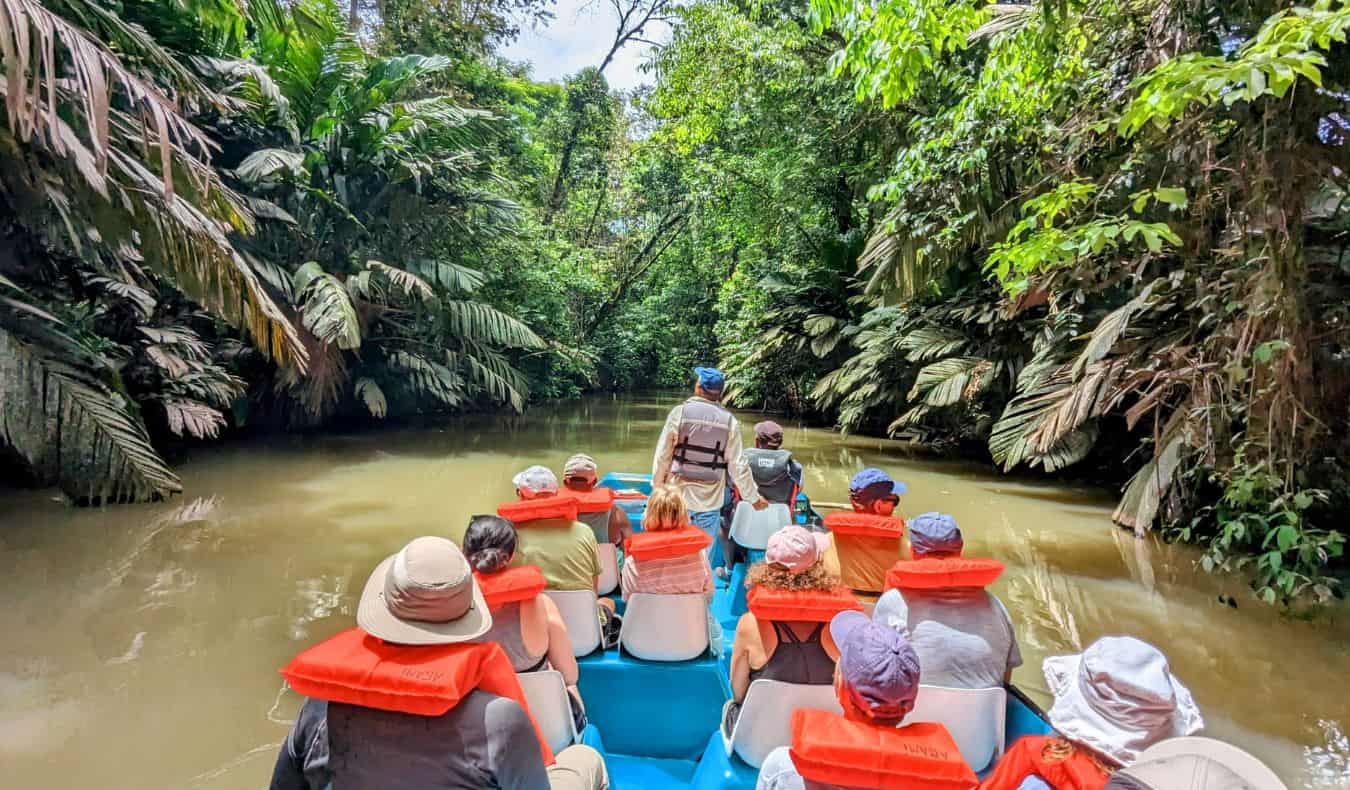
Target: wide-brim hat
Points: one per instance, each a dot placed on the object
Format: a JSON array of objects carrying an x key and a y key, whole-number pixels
[
  {"x": 1196, "y": 763},
  {"x": 424, "y": 595},
  {"x": 1119, "y": 697}
]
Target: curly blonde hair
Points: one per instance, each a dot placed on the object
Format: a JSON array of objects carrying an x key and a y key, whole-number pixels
[
  {"x": 665, "y": 509},
  {"x": 816, "y": 577}
]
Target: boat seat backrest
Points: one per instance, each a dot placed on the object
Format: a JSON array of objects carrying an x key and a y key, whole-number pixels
[
  {"x": 974, "y": 717},
  {"x": 578, "y": 610},
  {"x": 751, "y": 528},
  {"x": 546, "y": 694},
  {"x": 765, "y": 721},
  {"x": 608, "y": 581},
  {"x": 665, "y": 627}
]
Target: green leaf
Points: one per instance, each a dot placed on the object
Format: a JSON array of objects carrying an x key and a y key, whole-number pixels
[
  {"x": 1172, "y": 196},
  {"x": 1285, "y": 537}
]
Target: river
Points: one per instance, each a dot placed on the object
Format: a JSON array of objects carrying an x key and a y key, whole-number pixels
[{"x": 141, "y": 643}]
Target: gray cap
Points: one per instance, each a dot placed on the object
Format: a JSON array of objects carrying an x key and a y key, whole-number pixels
[{"x": 934, "y": 533}]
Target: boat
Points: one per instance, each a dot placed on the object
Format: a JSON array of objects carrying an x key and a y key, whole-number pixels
[{"x": 658, "y": 722}]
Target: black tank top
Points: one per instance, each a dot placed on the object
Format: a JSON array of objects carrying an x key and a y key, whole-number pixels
[{"x": 797, "y": 660}]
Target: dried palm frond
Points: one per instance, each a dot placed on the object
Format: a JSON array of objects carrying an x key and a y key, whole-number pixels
[
  {"x": 193, "y": 418},
  {"x": 369, "y": 393}
]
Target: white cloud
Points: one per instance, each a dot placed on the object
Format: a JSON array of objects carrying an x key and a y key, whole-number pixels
[{"x": 579, "y": 35}]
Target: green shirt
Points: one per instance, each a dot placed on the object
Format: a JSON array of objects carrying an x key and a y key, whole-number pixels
[{"x": 563, "y": 550}]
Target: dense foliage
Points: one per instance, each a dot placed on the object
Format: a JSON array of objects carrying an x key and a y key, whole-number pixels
[{"x": 1095, "y": 237}]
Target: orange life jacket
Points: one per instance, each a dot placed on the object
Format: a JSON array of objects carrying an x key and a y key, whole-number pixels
[
  {"x": 597, "y": 500},
  {"x": 1060, "y": 763},
  {"x": 511, "y": 585},
  {"x": 829, "y": 748},
  {"x": 665, "y": 544},
  {"x": 865, "y": 525},
  {"x": 560, "y": 506},
  {"x": 425, "y": 680},
  {"x": 932, "y": 573},
  {"x": 814, "y": 606}
]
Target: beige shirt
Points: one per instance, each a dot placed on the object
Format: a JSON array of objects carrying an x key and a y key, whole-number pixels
[{"x": 701, "y": 497}]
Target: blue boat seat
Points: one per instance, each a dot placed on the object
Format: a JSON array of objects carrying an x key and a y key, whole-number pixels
[
  {"x": 608, "y": 582},
  {"x": 976, "y": 719},
  {"x": 665, "y": 627},
  {"x": 765, "y": 721},
  {"x": 751, "y": 528},
  {"x": 578, "y": 611},
  {"x": 546, "y": 695}
]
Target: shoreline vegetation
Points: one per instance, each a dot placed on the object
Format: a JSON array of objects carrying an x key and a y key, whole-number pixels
[{"x": 1095, "y": 239}]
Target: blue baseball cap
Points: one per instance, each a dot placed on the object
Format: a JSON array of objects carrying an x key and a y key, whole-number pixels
[
  {"x": 934, "y": 533},
  {"x": 878, "y": 667},
  {"x": 711, "y": 379},
  {"x": 872, "y": 484}
]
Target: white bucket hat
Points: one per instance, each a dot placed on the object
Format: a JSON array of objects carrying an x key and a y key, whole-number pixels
[
  {"x": 536, "y": 481},
  {"x": 424, "y": 595},
  {"x": 1195, "y": 763},
  {"x": 1119, "y": 697}
]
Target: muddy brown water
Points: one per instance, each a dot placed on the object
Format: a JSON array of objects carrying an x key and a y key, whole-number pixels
[{"x": 140, "y": 643}]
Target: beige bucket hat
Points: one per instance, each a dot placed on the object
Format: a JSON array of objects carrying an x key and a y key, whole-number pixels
[
  {"x": 1119, "y": 697},
  {"x": 424, "y": 595},
  {"x": 1195, "y": 763}
]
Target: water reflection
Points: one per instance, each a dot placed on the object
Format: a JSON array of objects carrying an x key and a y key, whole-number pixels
[{"x": 143, "y": 642}]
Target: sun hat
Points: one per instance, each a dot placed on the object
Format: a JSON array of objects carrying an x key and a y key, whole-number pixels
[
  {"x": 872, "y": 484},
  {"x": 580, "y": 467},
  {"x": 1195, "y": 763},
  {"x": 878, "y": 667},
  {"x": 1119, "y": 697},
  {"x": 711, "y": 379},
  {"x": 795, "y": 548},
  {"x": 535, "y": 482},
  {"x": 769, "y": 433},
  {"x": 424, "y": 595},
  {"x": 934, "y": 533}
]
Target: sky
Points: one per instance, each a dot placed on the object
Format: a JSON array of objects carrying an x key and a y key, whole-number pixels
[{"x": 578, "y": 36}]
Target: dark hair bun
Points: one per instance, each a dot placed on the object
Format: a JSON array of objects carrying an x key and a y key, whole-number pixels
[{"x": 489, "y": 560}]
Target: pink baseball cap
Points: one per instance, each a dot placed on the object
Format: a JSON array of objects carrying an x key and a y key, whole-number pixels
[{"x": 795, "y": 548}]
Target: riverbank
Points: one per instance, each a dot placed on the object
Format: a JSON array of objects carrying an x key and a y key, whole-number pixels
[{"x": 138, "y": 625}]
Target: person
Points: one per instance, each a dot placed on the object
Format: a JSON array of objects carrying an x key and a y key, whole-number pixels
[
  {"x": 777, "y": 474},
  {"x": 596, "y": 506},
  {"x": 687, "y": 573},
  {"x": 961, "y": 631},
  {"x": 549, "y": 535},
  {"x": 411, "y": 699},
  {"x": 867, "y": 541},
  {"x": 525, "y": 622},
  {"x": 876, "y": 682},
  {"x": 1111, "y": 702},
  {"x": 699, "y": 444},
  {"x": 783, "y": 637}
]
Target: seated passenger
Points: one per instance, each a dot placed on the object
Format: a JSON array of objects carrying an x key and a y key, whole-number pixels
[
  {"x": 549, "y": 534},
  {"x": 596, "y": 506},
  {"x": 783, "y": 636},
  {"x": 410, "y": 701},
  {"x": 1112, "y": 701},
  {"x": 776, "y": 472},
  {"x": 867, "y": 541},
  {"x": 962, "y": 633},
  {"x": 877, "y": 682},
  {"x": 688, "y": 573}
]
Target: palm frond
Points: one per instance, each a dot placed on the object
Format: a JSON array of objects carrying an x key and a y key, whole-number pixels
[
  {"x": 429, "y": 378},
  {"x": 926, "y": 343},
  {"x": 369, "y": 393},
  {"x": 327, "y": 309},
  {"x": 1109, "y": 330},
  {"x": 410, "y": 284},
  {"x": 494, "y": 373},
  {"x": 453, "y": 277},
  {"x": 193, "y": 418},
  {"x": 266, "y": 163},
  {"x": 71, "y": 428},
  {"x": 482, "y": 323},
  {"x": 947, "y": 382},
  {"x": 1143, "y": 495}
]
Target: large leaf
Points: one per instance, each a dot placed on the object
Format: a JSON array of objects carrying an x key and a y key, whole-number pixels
[
  {"x": 429, "y": 378},
  {"x": 1143, "y": 496},
  {"x": 409, "y": 284},
  {"x": 72, "y": 429},
  {"x": 265, "y": 164},
  {"x": 327, "y": 307},
  {"x": 926, "y": 343},
  {"x": 369, "y": 393},
  {"x": 494, "y": 374},
  {"x": 1109, "y": 330},
  {"x": 193, "y": 418},
  {"x": 950, "y": 381},
  {"x": 482, "y": 323}
]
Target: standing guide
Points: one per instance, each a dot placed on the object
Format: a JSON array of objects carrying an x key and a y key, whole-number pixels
[{"x": 700, "y": 443}]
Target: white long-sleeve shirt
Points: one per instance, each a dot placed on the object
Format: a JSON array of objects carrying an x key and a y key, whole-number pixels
[{"x": 700, "y": 497}]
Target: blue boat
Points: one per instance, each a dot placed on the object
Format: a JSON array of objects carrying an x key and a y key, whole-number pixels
[{"x": 658, "y": 722}]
